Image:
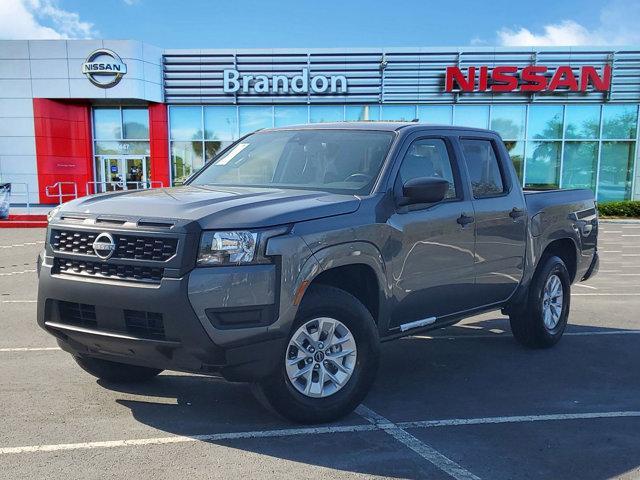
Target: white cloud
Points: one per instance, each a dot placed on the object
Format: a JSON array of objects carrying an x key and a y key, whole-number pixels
[
  {"x": 617, "y": 25},
  {"x": 40, "y": 19}
]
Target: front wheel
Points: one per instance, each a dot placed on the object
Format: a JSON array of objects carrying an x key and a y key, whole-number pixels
[
  {"x": 115, "y": 372},
  {"x": 330, "y": 359},
  {"x": 542, "y": 321}
]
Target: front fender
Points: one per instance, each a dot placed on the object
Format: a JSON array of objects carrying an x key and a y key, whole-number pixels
[{"x": 351, "y": 253}]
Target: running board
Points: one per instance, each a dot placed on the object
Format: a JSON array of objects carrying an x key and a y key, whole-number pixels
[{"x": 418, "y": 323}]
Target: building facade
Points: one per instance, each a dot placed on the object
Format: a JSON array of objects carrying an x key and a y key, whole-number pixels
[{"x": 85, "y": 116}]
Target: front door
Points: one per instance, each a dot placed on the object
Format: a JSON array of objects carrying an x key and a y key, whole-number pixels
[
  {"x": 433, "y": 245},
  {"x": 122, "y": 173}
]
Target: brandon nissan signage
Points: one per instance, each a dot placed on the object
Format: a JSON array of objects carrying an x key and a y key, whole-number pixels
[
  {"x": 533, "y": 78},
  {"x": 104, "y": 68},
  {"x": 303, "y": 83}
]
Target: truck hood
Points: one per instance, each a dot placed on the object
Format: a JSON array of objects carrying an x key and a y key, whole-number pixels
[{"x": 218, "y": 207}]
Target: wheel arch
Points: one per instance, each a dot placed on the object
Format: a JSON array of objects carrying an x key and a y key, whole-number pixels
[{"x": 355, "y": 267}]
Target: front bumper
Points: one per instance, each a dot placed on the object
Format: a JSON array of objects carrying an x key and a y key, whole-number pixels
[{"x": 189, "y": 340}]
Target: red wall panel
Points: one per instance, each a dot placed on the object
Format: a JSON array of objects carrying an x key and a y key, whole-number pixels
[
  {"x": 159, "y": 143},
  {"x": 63, "y": 145}
]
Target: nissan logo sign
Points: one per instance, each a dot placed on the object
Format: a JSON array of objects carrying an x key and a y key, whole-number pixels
[
  {"x": 104, "y": 246},
  {"x": 104, "y": 68}
]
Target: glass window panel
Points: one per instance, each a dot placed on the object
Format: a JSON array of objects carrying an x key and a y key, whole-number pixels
[
  {"x": 582, "y": 121},
  {"x": 107, "y": 124},
  {"x": 355, "y": 113},
  {"x": 121, "y": 148},
  {"x": 545, "y": 122},
  {"x": 185, "y": 123},
  {"x": 516, "y": 152},
  {"x": 471, "y": 116},
  {"x": 220, "y": 123},
  {"x": 579, "y": 165},
  {"x": 484, "y": 171},
  {"x": 438, "y": 114},
  {"x": 620, "y": 121},
  {"x": 428, "y": 158},
  {"x": 508, "y": 121},
  {"x": 543, "y": 165},
  {"x": 291, "y": 115},
  {"x": 616, "y": 170},
  {"x": 399, "y": 113},
  {"x": 253, "y": 118},
  {"x": 186, "y": 158},
  {"x": 326, "y": 113},
  {"x": 212, "y": 148},
  {"x": 135, "y": 123}
]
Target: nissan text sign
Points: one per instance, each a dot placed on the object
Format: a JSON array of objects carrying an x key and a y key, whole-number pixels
[
  {"x": 533, "y": 78},
  {"x": 234, "y": 82}
]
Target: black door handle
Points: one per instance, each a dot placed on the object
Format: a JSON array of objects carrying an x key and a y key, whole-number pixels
[
  {"x": 516, "y": 213},
  {"x": 465, "y": 220}
]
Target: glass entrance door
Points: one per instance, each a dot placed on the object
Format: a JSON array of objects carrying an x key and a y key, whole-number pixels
[{"x": 122, "y": 172}]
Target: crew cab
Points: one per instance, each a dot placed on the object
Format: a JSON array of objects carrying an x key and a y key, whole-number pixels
[{"x": 289, "y": 257}]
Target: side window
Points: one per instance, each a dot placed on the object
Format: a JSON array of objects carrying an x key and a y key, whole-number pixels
[
  {"x": 428, "y": 158},
  {"x": 484, "y": 171}
]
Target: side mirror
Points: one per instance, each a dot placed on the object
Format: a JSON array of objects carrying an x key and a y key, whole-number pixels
[{"x": 425, "y": 190}]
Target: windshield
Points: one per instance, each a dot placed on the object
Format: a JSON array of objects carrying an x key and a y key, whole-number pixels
[{"x": 341, "y": 161}]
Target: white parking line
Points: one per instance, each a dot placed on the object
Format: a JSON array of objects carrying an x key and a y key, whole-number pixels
[
  {"x": 585, "y": 286},
  {"x": 425, "y": 451},
  {"x": 604, "y": 294},
  {"x": 16, "y": 273},
  {"x": 22, "y": 244},
  {"x": 517, "y": 419},
  {"x": 19, "y": 301},
  {"x": 376, "y": 426},
  {"x": 30, "y": 349}
]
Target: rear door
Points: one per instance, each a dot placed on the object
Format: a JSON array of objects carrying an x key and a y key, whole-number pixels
[
  {"x": 431, "y": 254},
  {"x": 500, "y": 219}
]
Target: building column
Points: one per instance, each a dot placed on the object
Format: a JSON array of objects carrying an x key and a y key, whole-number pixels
[
  {"x": 63, "y": 148},
  {"x": 159, "y": 144}
]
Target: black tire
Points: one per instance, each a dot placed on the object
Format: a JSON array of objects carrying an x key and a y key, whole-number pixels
[
  {"x": 115, "y": 372},
  {"x": 527, "y": 325},
  {"x": 278, "y": 392}
]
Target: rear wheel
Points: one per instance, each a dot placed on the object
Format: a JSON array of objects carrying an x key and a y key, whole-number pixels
[
  {"x": 543, "y": 319},
  {"x": 115, "y": 372},
  {"x": 330, "y": 359}
]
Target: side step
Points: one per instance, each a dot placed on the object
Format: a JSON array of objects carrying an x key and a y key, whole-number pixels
[{"x": 417, "y": 324}]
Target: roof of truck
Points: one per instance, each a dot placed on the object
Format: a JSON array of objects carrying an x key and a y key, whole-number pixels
[{"x": 374, "y": 125}]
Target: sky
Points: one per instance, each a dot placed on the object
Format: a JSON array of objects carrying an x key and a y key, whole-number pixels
[{"x": 329, "y": 24}]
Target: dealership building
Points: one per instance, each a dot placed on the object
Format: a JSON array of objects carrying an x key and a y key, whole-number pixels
[{"x": 85, "y": 116}]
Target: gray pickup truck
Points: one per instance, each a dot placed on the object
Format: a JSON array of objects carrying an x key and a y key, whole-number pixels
[{"x": 287, "y": 259}]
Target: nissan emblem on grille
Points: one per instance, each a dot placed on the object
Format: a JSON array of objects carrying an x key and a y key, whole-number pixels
[{"x": 104, "y": 245}]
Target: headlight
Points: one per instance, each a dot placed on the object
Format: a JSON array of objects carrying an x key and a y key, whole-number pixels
[{"x": 227, "y": 248}]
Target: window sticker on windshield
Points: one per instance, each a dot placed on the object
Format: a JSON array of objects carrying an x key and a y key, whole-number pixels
[{"x": 231, "y": 154}]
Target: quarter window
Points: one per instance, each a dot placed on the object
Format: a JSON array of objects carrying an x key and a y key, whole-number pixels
[
  {"x": 484, "y": 171},
  {"x": 428, "y": 158}
]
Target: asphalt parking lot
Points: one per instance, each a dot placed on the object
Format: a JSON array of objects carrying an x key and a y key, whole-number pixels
[{"x": 466, "y": 402}]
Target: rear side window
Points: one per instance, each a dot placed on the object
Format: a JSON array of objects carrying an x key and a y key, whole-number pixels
[
  {"x": 484, "y": 171},
  {"x": 428, "y": 158}
]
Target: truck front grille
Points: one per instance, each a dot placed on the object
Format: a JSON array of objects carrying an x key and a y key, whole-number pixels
[
  {"x": 108, "y": 270},
  {"x": 130, "y": 247},
  {"x": 78, "y": 314}
]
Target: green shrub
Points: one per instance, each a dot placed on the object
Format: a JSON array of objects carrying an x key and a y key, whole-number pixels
[{"x": 626, "y": 208}]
